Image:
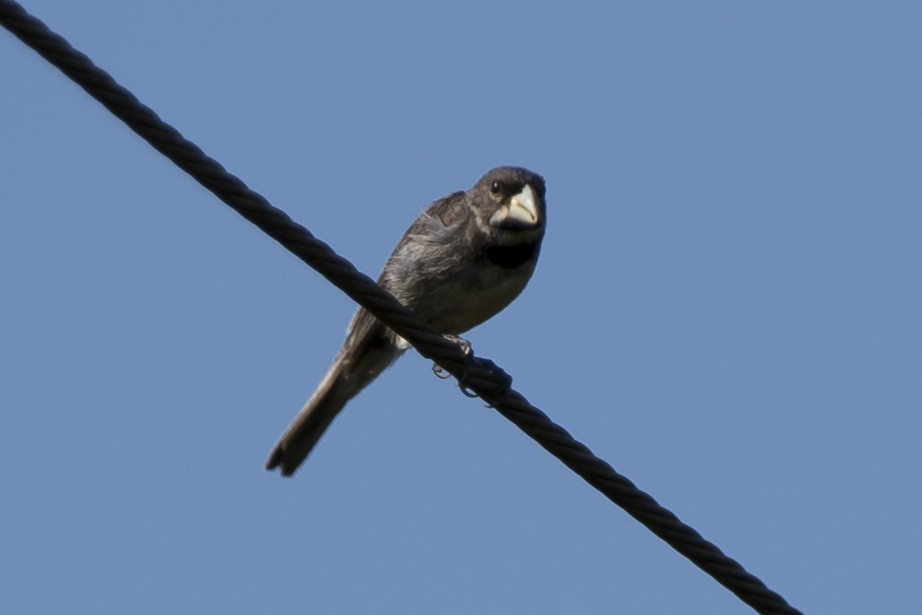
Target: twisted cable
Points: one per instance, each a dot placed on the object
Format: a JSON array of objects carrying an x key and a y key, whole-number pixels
[{"x": 481, "y": 376}]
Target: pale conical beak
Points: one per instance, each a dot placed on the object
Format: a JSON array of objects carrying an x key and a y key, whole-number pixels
[{"x": 522, "y": 210}]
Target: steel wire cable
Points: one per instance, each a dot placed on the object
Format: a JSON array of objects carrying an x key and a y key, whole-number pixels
[{"x": 478, "y": 375}]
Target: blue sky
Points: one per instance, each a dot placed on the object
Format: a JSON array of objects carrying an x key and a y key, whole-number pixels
[{"x": 727, "y": 308}]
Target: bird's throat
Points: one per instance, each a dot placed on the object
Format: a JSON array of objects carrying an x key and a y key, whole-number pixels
[{"x": 512, "y": 256}]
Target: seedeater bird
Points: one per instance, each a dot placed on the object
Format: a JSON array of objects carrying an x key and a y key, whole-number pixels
[{"x": 463, "y": 260}]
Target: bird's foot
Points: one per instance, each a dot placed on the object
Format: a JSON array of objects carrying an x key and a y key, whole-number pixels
[
  {"x": 465, "y": 345},
  {"x": 442, "y": 373}
]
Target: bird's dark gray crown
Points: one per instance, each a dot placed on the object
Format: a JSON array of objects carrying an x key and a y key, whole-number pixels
[{"x": 507, "y": 181}]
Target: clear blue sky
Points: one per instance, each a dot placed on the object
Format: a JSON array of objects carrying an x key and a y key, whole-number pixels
[{"x": 728, "y": 308}]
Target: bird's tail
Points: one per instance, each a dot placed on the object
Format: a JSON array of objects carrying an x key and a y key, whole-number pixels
[
  {"x": 352, "y": 371},
  {"x": 302, "y": 435}
]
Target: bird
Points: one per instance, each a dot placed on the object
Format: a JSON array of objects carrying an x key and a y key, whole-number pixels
[{"x": 462, "y": 261}]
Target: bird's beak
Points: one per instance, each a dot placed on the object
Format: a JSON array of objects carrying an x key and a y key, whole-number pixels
[{"x": 522, "y": 210}]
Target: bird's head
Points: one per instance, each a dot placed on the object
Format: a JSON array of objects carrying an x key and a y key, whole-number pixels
[{"x": 509, "y": 202}]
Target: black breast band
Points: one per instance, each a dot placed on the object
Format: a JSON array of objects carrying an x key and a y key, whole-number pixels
[{"x": 511, "y": 256}]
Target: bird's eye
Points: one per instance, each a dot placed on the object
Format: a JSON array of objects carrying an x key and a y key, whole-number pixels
[{"x": 496, "y": 188}]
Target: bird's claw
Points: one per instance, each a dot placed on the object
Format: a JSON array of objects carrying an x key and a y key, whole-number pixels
[
  {"x": 463, "y": 343},
  {"x": 442, "y": 373}
]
